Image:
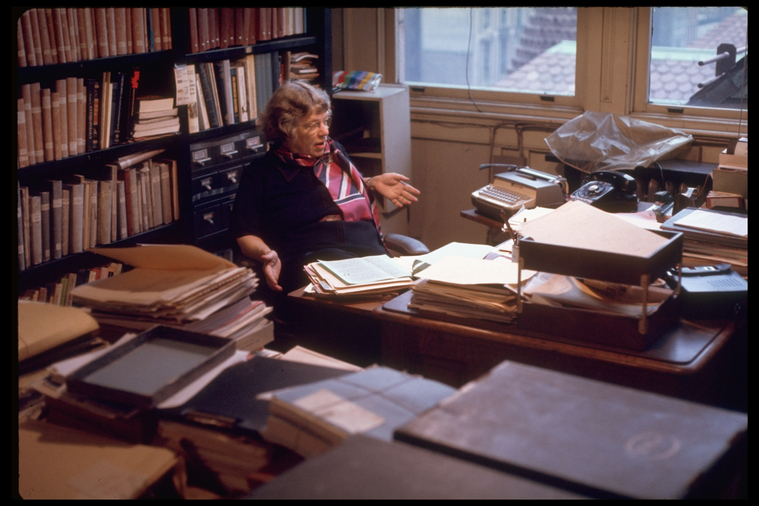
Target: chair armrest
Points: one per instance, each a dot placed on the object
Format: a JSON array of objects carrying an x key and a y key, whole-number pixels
[{"x": 405, "y": 245}]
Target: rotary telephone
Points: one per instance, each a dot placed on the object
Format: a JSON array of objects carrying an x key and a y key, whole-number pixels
[{"x": 609, "y": 191}]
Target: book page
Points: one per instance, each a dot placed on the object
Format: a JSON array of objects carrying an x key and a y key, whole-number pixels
[
  {"x": 474, "y": 271},
  {"x": 371, "y": 269}
]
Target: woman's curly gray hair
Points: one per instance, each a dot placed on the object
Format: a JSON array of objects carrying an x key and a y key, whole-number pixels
[{"x": 290, "y": 102}]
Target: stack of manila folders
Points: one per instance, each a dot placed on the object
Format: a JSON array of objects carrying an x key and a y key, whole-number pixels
[{"x": 179, "y": 286}]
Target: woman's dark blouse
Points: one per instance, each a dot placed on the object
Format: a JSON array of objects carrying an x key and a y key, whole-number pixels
[{"x": 284, "y": 204}]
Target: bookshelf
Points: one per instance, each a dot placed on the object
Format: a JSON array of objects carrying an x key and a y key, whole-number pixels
[{"x": 158, "y": 76}]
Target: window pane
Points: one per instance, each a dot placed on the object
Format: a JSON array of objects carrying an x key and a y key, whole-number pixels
[
  {"x": 520, "y": 49},
  {"x": 684, "y": 36}
]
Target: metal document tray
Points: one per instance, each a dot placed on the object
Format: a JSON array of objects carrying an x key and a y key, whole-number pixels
[
  {"x": 588, "y": 325},
  {"x": 151, "y": 367}
]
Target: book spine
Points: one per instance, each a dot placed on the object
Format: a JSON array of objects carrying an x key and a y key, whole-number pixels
[
  {"x": 56, "y": 218},
  {"x": 208, "y": 94},
  {"x": 60, "y": 88},
  {"x": 36, "y": 108}
]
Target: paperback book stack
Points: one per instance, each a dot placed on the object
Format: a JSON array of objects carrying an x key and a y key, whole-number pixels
[{"x": 155, "y": 116}]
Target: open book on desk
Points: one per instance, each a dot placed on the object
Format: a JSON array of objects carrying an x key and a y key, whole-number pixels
[{"x": 372, "y": 274}]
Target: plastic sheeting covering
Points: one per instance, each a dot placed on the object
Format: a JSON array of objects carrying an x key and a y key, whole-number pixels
[{"x": 604, "y": 141}]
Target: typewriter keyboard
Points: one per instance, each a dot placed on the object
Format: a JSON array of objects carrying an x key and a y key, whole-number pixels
[{"x": 502, "y": 198}]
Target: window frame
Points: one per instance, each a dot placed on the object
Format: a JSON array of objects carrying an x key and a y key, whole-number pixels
[
  {"x": 497, "y": 102},
  {"x": 714, "y": 120},
  {"x": 602, "y": 82}
]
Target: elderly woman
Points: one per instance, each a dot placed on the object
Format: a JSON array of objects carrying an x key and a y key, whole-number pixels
[{"x": 304, "y": 200}]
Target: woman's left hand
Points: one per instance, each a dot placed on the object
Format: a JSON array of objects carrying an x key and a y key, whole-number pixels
[{"x": 394, "y": 187}]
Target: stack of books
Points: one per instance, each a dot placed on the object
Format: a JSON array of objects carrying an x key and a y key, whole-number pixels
[
  {"x": 222, "y": 27},
  {"x": 155, "y": 116},
  {"x": 301, "y": 67},
  {"x": 358, "y": 276},
  {"x": 66, "y": 35},
  {"x": 227, "y": 92}
]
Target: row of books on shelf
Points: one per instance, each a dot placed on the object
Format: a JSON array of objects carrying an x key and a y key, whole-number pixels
[
  {"x": 59, "y": 291},
  {"x": 64, "y": 35},
  {"x": 227, "y": 92},
  {"x": 80, "y": 115},
  {"x": 223, "y": 27},
  {"x": 70, "y": 215}
]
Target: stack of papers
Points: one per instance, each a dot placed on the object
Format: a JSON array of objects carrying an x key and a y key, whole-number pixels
[
  {"x": 367, "y": 275},
  {"x": 712, "y": 237},
  {"x": 466, "y": 287},
  {"x": 181, "y": 286}
]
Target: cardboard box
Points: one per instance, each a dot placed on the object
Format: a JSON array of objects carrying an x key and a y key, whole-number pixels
[{"x": 736, "y": 154}]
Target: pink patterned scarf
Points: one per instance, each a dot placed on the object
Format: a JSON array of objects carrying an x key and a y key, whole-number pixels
[{"x": 343, "y": 181}]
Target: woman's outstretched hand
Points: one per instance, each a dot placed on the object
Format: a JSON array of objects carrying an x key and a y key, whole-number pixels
[
  {"x": 272, "y": 267},
  {"x": 394, "y": 187}
]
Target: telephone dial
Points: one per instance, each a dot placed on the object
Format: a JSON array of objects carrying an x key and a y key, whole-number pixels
[{"x": 609, "y": 191}]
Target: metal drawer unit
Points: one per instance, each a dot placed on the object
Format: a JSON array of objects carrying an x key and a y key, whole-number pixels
[{"x": 217, "y": 165}]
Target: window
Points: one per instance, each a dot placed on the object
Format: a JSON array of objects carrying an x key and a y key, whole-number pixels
[
  {"x": 514, "y": 49},
  {"x": 697, "y": 57}
]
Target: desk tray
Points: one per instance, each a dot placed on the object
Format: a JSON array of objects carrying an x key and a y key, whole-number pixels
[
  {"x": 151, "y": 367},
  {"x": 602, "y": 265},
  {"x": 590, "y": 326},
  {"x": 593, "y": 326}
]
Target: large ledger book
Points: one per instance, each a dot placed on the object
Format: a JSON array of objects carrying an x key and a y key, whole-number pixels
[
  {"x": 585, "y": 436},
  {"x": 363, "y": 467}
]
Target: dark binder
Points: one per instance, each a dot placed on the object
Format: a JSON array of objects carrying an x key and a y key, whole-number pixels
[
  {"x": 364, "y": 467},
  {"x": 586, "y": 436},
  {"x": 230, "y": 399}
]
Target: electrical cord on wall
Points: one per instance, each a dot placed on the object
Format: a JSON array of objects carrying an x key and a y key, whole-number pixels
[{"x": 466, "y": 70}]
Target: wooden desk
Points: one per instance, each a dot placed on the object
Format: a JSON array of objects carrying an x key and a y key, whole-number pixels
[
  {"x": 703, "y": 361},
  {"x": 696, "y": 361}
]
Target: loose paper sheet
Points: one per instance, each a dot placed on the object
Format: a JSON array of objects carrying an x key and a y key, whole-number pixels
[{"x": 474, "y": 271}]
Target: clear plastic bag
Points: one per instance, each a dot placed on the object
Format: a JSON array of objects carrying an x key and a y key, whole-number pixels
[{"x": 604, "y": 141}]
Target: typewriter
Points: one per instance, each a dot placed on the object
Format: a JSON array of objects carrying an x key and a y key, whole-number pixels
[{"x": 520, "y": 186}]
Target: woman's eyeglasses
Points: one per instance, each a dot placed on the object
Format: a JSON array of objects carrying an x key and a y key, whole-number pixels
[{"x": 316, "y": 125}]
